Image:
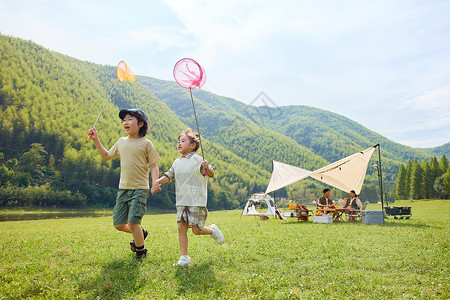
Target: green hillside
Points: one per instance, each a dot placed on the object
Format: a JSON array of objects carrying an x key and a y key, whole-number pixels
[
  {"x": 233, "y": 128},
  {"x": 303, "y": 136},
  {"x": 49, "y": 101},
  {"x": 439, "y": 151}
]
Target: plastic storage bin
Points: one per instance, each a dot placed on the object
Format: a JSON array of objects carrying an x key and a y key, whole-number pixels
[
  {"x": 372, "y": 216},
  {"x": 323, "y": 219}
]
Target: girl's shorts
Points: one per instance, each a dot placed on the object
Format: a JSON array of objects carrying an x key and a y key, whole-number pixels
[{"x": 192, "y": 215}]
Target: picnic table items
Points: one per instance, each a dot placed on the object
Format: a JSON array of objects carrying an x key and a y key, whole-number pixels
[{"x": 336, "y": 212}]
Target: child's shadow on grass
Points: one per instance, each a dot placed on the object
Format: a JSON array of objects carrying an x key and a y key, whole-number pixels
[
  {"x": 118, "y": 280},
  {"x": 196, "y": 279}
]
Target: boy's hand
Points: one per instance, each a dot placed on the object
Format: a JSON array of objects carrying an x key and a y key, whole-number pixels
[
  {"x": 93, "y": 133},
  {"x": 205, "y": 165}
]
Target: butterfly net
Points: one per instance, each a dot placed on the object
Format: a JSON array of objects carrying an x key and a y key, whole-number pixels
[
  {"x": 124, "y": 72},
  {"x": 189, "y": 74}
]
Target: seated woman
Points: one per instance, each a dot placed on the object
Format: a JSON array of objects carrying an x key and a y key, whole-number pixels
[{"x": 353, "y": 203}]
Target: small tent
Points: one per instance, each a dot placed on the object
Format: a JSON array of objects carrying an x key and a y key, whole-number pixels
[{"x": 259, "y": 201}]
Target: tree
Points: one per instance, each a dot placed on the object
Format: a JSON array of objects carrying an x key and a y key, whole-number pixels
[
  {"x": 434, "y": 172},
  {"x": 32, "y": 162},
  {"x": 416, "y": 181},
  {"x": 401, "y": 184},
  {"x": 370, "y": 193},
  {"x": 446, "y": 184},
  {"x": 6, "y": 175},
  {"x": 443, "y": 163},
  {"x": 427, "y": 181},
  {"x": 442, "y": 185},
  {"x": 408, "y": 178},
  {"x": 225, "y": 201}
]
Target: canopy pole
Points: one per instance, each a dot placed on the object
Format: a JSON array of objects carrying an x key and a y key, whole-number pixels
[
  {"x": 380, "y": 177},
  {"x": 273, "y": 191}
]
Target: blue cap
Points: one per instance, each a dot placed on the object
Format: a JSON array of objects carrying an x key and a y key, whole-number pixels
[{"x": 125, "y": 111}]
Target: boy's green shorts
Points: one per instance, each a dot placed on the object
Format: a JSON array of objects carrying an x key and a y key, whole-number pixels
[{"x": 130, "y": 206}]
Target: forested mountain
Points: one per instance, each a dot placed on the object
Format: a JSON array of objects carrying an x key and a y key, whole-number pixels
[
  {"x": 295, "y": 135},
  {"x": 438, "y": 151},
  {"x": 49, "y": 101}
]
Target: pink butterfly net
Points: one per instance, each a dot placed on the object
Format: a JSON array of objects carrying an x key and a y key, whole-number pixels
[{"x": 189, "y": 74}]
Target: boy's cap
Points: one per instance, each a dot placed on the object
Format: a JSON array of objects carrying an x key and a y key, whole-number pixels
[{"x": 125, "y": 111}]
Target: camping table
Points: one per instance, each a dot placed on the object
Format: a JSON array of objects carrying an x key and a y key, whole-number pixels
[
  {"x": 327, "y": 211},
  {"x": 339, "y": 211}
]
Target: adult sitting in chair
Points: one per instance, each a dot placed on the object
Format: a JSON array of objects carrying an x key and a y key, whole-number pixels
[
  {"x": 325, "y": 202},
  {"x": 352, "y": 205},
  {"x": 353, "y": 202}
]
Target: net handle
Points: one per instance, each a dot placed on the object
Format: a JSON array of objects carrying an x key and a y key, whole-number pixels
[
  {"x": 102, "y": 109},
  {"x": 198, "y": 128}
]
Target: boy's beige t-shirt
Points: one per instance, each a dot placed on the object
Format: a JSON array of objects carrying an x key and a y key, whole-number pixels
[{"x": 136, "y": 155}]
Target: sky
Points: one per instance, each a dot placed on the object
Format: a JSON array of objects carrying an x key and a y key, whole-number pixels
[{"x": 384, "y": 64}]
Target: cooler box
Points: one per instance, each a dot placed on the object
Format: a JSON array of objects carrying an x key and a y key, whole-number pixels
[
  {"x": 323, "y": 219},
  {"x": 372, "y": 216}
]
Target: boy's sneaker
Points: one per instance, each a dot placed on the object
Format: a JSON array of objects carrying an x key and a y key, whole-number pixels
[
  {"x": 217, "y": 235},
  {"x": 133, "y": 245},
  {"x": 141, "y": 254},
  {"x": 183, "y": 261}
]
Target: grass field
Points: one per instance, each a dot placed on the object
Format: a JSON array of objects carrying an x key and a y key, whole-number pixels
[{"x": 87, "y": 258}]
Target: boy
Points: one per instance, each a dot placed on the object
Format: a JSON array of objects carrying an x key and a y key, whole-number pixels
[
  {"x": 136, "y": 154},
  {"x": 188, "y": 171}
]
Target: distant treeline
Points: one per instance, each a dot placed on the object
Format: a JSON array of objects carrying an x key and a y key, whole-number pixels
[
  {"x": 426, "y": 180},
  {"x": 34, "y": 179}
]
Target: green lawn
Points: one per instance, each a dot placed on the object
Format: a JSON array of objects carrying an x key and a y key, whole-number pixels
[{"x": 87, "y": 258}]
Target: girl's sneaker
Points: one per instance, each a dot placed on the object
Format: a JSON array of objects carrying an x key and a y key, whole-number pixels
[
  {"x": 183, "y": 261},
  {"x": 217, "y": 235}
]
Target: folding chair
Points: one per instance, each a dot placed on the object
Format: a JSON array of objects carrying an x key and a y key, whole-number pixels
[{"x": 355, "y": 214}]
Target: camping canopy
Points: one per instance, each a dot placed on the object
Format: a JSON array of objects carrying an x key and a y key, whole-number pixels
[
  {"x": 284, "y": 174},
  {"x": 346, "y": 174}
]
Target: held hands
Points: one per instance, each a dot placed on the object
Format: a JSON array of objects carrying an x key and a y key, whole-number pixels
[{"x": 156, "y": 188}]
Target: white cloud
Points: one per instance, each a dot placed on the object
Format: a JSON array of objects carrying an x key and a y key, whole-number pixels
[
  {"x": 353, "y": 58},
  {"x": 159, "y": 38}
]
